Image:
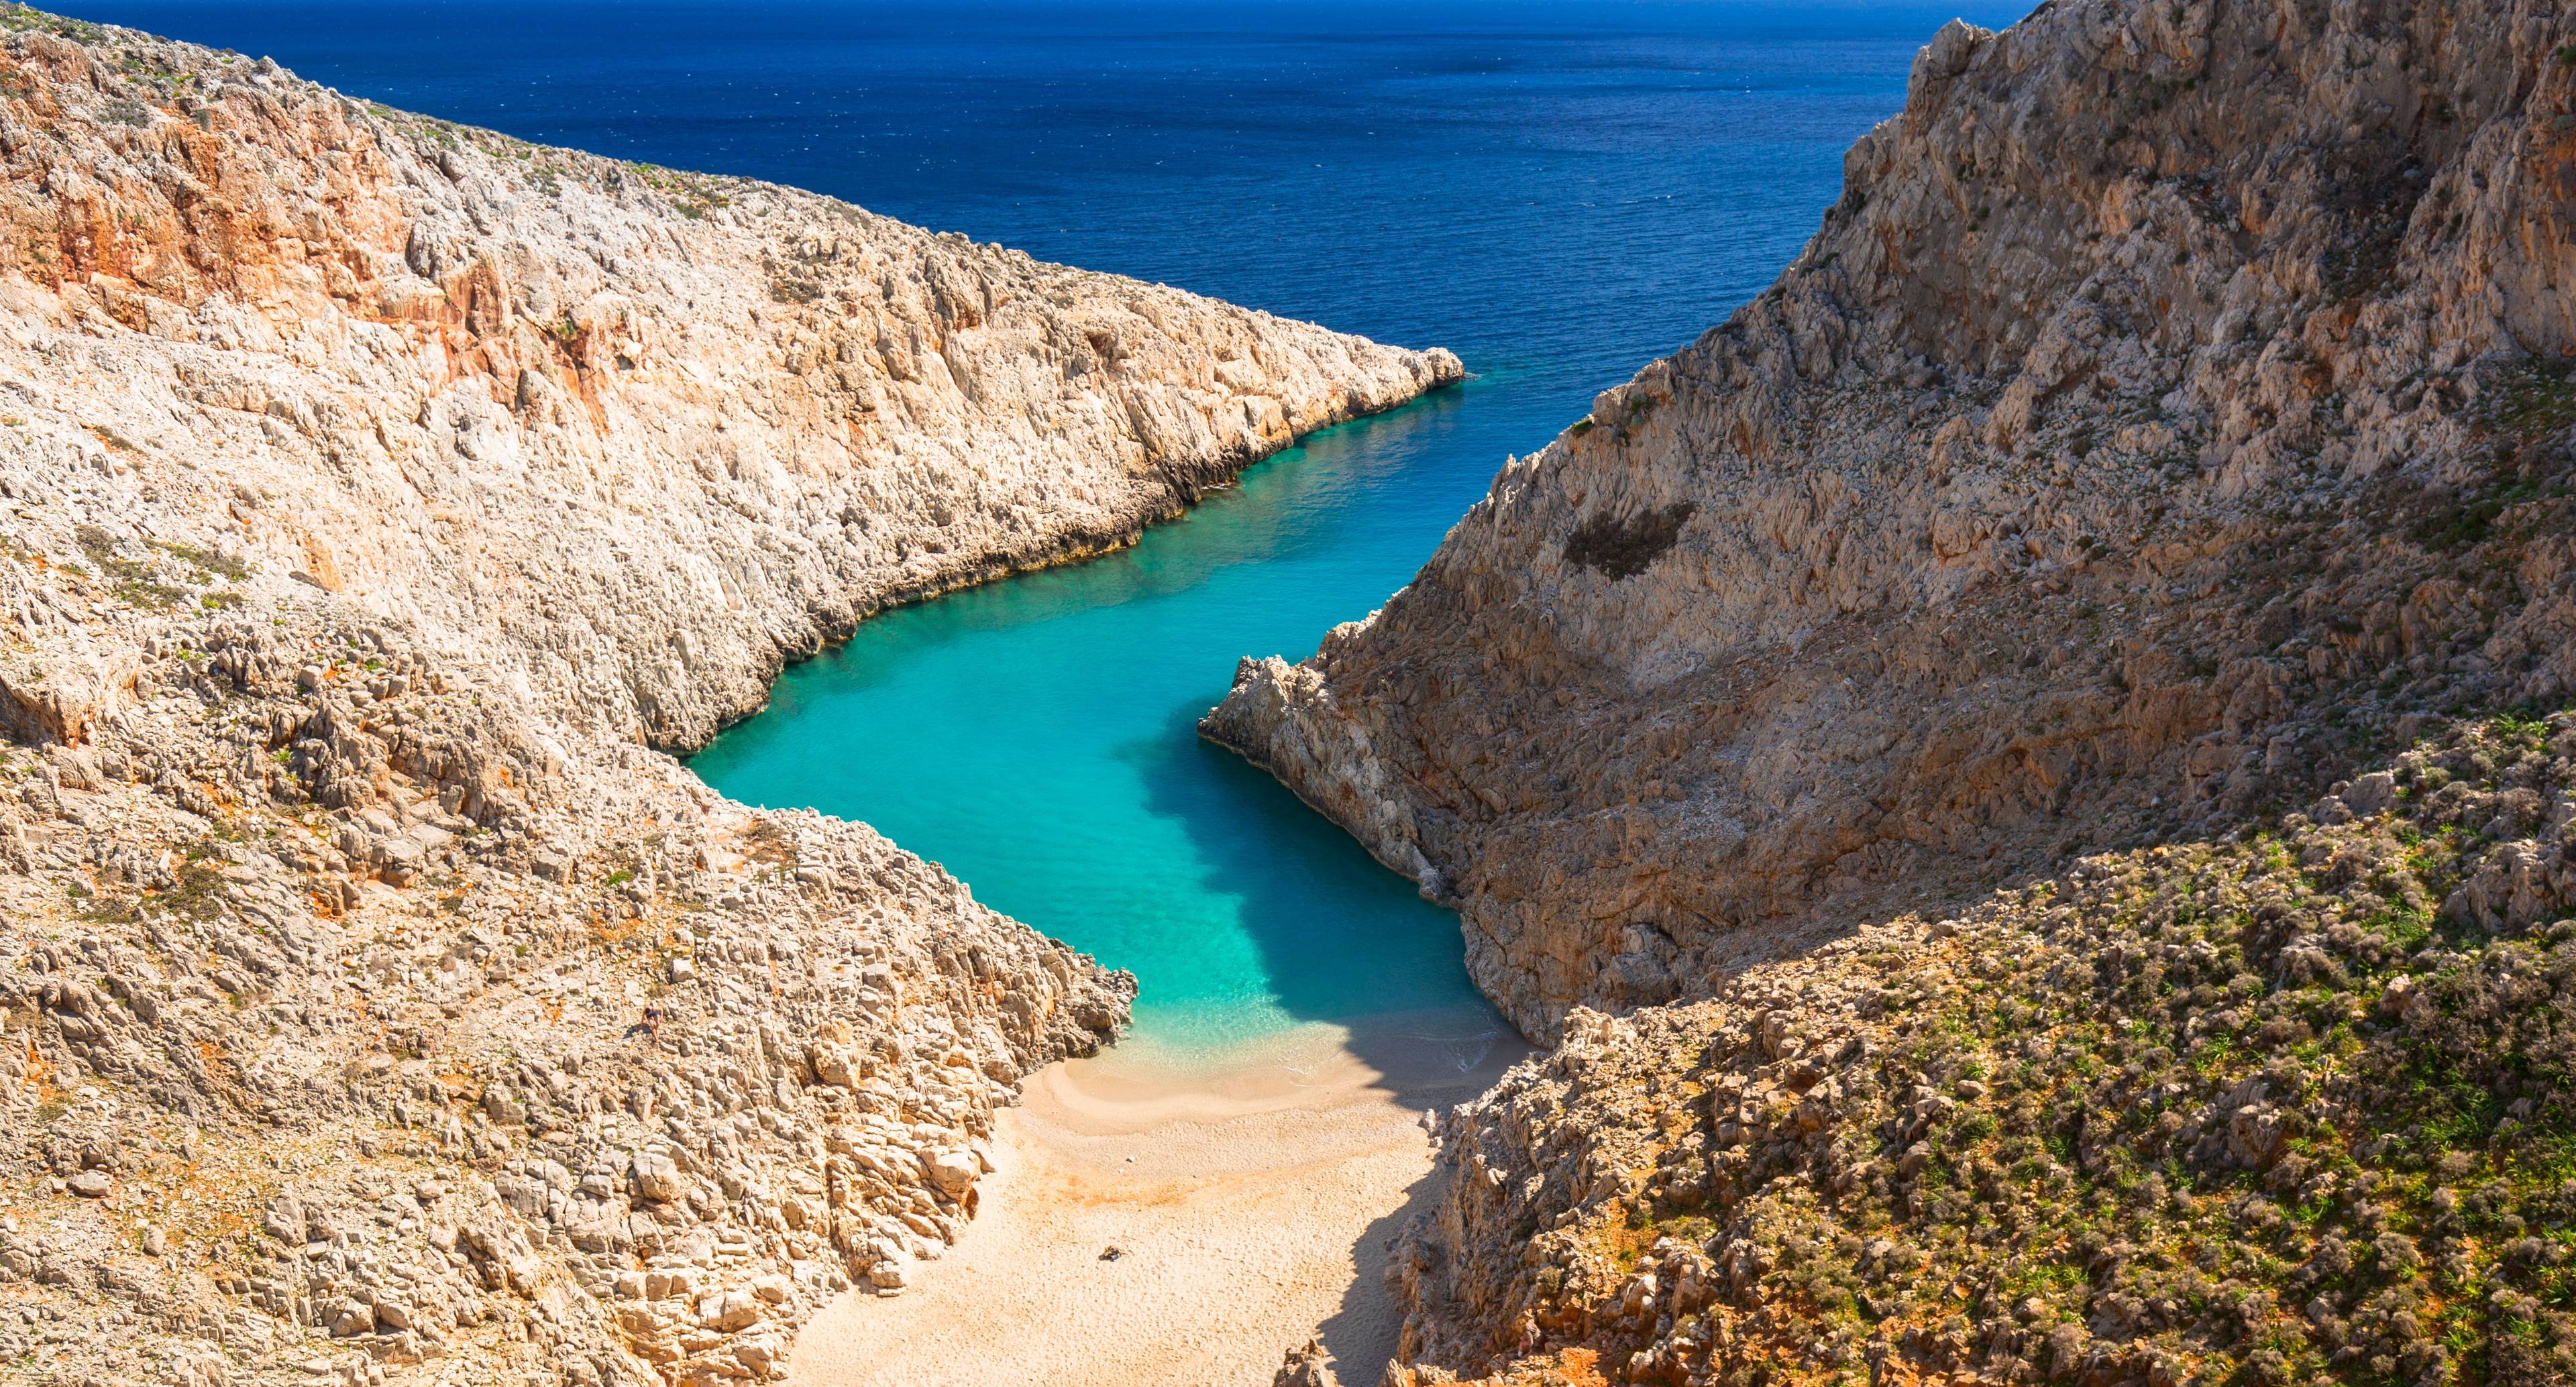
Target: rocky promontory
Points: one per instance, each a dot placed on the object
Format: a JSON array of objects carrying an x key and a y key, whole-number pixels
[
  {"x": 385, "y": 501},
  {"x": 2019, "y": 771}
]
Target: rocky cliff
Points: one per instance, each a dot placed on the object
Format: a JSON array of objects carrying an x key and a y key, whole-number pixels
[
  {"x": 2006, "y": 684},
  {"x": 384, "y": 499},
  {"x": 2173, "y": 406}
]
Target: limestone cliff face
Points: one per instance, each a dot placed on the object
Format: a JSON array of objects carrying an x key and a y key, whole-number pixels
[
  {"x": 636, "y": 436},
  {"x": 2173, "y": 409},
  {"x": 376, "y": 491}
]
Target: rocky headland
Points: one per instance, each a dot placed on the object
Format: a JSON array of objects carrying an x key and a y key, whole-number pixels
[
  {"x": 1976, "y": 761},
  {"x": 385, "y": 501}
]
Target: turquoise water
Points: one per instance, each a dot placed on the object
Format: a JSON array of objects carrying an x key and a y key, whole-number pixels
[
  {"x": 1557, "y": 191},
  {"x": 1036, "y": 737}
]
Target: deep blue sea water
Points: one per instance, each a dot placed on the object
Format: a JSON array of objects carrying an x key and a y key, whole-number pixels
[{"x": 1557, "y": 191}]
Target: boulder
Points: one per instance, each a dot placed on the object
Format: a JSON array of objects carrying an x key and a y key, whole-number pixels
[
  {"x": 1307, "y": 1366},
  {"x": 954, "y": 1172},
  {"x": 729, "y": 1310},
  {"x": 657, "y": 1177}
]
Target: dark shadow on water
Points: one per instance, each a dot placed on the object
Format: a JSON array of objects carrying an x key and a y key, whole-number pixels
[
  {"x": 1348, "y": 942},
  {"x": 1342, "y": 939}
]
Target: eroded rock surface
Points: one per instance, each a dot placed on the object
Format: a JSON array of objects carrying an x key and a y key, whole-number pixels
[
  {"x": 383, "y": 500},
  {"x": 2172, "y": 408}
]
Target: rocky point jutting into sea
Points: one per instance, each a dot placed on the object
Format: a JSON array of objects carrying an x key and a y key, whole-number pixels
[
  {"x": 385, "y": 500},
  {"x": 2020, "y": 769}
]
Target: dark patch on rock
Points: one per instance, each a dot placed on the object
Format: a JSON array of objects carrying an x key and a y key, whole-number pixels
[{"x": 1622, "y": 546}]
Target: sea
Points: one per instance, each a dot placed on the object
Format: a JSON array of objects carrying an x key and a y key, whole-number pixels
[{"x": 1559, "y": 192}]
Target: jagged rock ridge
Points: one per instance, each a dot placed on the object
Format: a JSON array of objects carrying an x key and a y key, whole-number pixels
[{"x": 377, "y": 492}]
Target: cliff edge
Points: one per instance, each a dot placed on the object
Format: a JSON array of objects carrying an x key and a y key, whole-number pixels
[{"x": 380, "y": 495}]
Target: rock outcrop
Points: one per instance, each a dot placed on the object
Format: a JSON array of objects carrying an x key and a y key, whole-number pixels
[
  {"x": 2174, "y": 410},
  {"x": 384, "y": 500}
]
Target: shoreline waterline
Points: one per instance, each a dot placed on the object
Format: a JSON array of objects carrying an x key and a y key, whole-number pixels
[{"x": 1249, "y": 1195}]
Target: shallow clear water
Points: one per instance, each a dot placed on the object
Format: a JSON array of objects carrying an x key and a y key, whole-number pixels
[{"x": 1558, "y": 192}]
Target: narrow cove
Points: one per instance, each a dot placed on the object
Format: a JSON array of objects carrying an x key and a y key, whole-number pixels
[
  {"x": 1558, "y": 193},
  {"x": 1035, "y": 737},
  {"x": 1226, "y": 1176},
  {"x": 1223, "y": 1182}
]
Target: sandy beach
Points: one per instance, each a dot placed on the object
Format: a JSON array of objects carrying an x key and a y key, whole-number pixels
[{"x": 1249, "y": 1199}]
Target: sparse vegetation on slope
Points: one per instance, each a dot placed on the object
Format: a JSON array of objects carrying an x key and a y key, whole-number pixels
[{"x": 2296, "y": 1105}]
